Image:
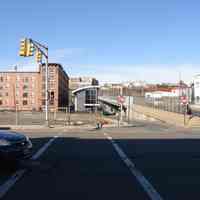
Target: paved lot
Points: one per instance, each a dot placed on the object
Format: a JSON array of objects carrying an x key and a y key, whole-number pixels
[
  {"x": 84, "y": 164},
  {"x": 38, "y": 118}
]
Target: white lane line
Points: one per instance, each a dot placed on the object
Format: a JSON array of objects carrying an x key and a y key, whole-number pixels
[
  {"x": 4, "y": 188},
  {"x": 148, "y": 188}
]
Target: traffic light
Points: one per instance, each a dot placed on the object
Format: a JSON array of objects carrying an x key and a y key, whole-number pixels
[
  {"x": 30, "y": 48},
  {"x": 38, "y": 56},
  {"x": 23, "y": 47}
]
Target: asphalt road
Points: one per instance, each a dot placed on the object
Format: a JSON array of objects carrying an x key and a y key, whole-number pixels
[{"x": 85, "y": 164}]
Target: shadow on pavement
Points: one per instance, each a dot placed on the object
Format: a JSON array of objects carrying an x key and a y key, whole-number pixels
[{"x": 82, "y": 168}]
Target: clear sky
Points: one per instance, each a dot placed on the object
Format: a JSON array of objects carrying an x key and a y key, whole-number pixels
[{"x": 114, "y": 40}]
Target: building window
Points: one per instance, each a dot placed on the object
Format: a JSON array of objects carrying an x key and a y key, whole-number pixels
[
  {"x": 25, "y": 87},
  {"x": 25, "y": 94},
  {"x": 1, "y": 87},
  {"x": 25, "y": 102},
  {"x": 90, "y": 97},
  {"x": 43, "y": 102},
  {"x": 25, "y": 79},
  {"x": 1, "y": 94},
  {"x": 6, "y": 93},
  {"x": 1, "y": 102},
  {"x": 1, "y": 78}
]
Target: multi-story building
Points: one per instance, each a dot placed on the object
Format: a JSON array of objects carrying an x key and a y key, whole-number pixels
[
  {"x": 26, "y": 90},
  {"x": 79, "y": 82},
  {"x": 58, "y": 85}
]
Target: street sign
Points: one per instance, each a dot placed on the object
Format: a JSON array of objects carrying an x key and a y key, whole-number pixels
[{"x": 120, "y": 99}]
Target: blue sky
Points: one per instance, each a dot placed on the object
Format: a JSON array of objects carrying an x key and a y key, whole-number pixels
[{"x": 114, "y": 40}]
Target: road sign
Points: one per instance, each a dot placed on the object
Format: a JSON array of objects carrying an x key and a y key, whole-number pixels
[
  {"x": 120, "y": 99},
  {"x": 184, "y": 100}
]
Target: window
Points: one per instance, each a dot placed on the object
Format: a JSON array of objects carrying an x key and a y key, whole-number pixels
[
  {"x": 1, "y": 78},
  {"x": 90, "y": 97},
  {"x": 52, "y": 98},
  {"x": 1, "y": 87},
  {"x": 51, "y": 70},
  {"x": 25, "y": 102},
  {"x": 25, "y": 79},
  {"x": 6, "y": 93},
  {"x": 1, "y": 102},
  {"x": 25, "y": 94},
  {"x": 43, "y": 102},
  {"x": 0, "y": 94},
  {"x": 25, "y": 87}
]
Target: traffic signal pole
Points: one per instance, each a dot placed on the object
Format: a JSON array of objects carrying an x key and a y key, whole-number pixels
[
  {"x": 27, "y": 48},
  {"x": 46, "y": 91}
]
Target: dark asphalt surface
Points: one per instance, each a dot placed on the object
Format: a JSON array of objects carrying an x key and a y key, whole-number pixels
[
  {"x": 82, "y": 164},
  {"x": 78, "y": 166}
]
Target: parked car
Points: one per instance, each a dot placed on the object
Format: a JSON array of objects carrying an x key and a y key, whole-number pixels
[{"x": 14, "y": 146}]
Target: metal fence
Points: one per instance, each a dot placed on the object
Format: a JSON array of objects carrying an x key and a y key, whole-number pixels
[
  {"x": 62, "y": 117},
  {"x": 171, "y": 104}
]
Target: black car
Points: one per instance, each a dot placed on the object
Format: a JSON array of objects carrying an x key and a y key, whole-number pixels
[{"x": 14, "y": 146}]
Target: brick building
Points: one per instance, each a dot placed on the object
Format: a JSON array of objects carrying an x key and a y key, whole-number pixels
[{"x": 26, "y": 90}]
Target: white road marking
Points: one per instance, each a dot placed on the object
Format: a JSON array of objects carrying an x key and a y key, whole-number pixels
[
  {"x": 149, "y": 189},
  {"x": 4, "y": 188}
]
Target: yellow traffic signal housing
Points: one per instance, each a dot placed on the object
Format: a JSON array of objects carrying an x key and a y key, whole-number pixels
[
  {"x": 30, "y": 48},
  {"x": 23, "y": 47},
  {"x": 38, "y": 56}
]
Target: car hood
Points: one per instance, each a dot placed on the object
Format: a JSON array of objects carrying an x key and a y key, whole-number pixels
[{"x": 11, "y": 136}]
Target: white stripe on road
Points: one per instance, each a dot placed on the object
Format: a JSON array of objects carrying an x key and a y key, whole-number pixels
[
  {"x": 18, "y": 174},
  {"x": 152, "y": 193},
  {"x": 43, "y": 149}
]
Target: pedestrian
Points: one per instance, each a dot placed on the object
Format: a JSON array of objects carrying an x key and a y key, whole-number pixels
[{"x": 98, "y": 120}]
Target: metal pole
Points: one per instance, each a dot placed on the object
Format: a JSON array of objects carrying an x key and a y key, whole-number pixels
[
  {"x": 184, "y": 115},
  {"x": 121, "y": 105},
  {"x": 15, "y": 96},
  {"x": 46, "y": 92},
  {"x": 129, "y": 106}
]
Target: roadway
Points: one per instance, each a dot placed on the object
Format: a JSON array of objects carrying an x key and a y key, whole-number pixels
[{"x": 145, "y": 161}]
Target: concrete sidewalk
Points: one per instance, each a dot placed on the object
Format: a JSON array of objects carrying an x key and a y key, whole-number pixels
[{"x": 167, "y": 117}]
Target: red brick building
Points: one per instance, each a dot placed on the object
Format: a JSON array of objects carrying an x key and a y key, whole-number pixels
[{"x": 26, "y": 90}]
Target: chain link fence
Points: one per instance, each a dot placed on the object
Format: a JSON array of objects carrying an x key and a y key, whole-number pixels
[
  {"x": 171, "y": 104},
  {"x": 59, "y": 117}
]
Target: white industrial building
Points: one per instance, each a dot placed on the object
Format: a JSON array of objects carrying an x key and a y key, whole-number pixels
[{"x": 86, "y": 98}]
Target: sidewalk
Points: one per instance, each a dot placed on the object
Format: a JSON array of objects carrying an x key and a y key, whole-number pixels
[{"x": 168, "y": 117}]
